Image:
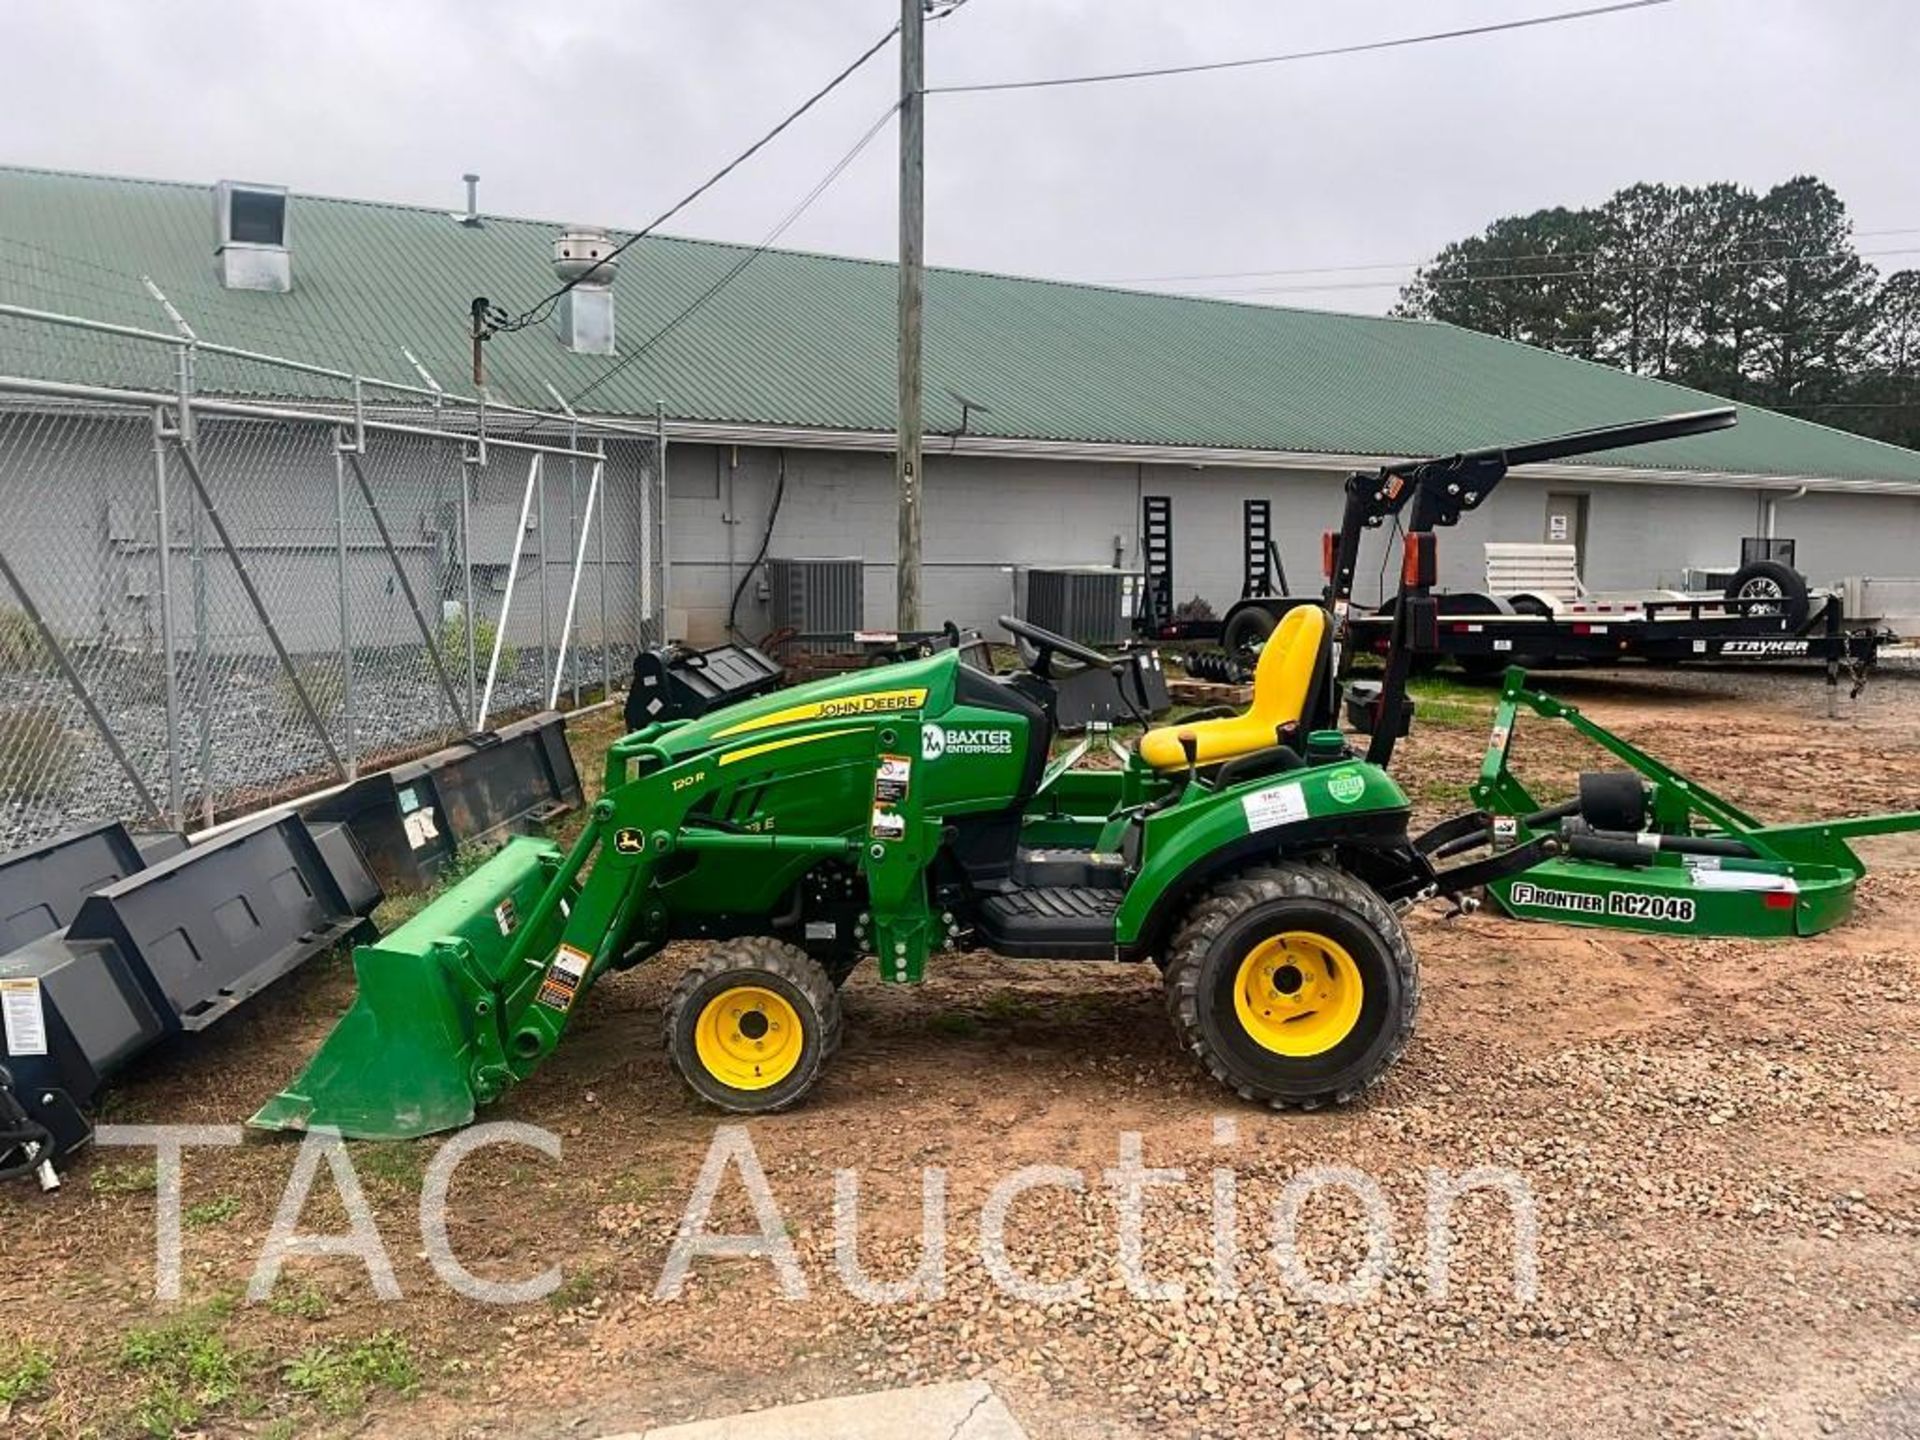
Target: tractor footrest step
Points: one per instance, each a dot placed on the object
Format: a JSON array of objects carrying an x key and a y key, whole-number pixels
[
  {"x": 1054, "y": 868},
  {"x": 1051, "y": 922}
]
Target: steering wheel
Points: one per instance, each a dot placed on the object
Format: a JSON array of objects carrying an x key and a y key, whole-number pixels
[{"x": 1046, "y": 642}]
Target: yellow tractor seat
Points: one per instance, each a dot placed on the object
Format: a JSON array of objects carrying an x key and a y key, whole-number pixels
[{"x": 1283, "y": 682}]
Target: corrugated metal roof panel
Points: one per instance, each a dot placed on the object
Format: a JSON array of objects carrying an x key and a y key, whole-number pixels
[{"x": 807, "y": 340}]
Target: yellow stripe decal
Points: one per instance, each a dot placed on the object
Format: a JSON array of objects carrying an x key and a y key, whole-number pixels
[
  {"x": 752, "y": 750},
  {"x": 874, "y": 702}
]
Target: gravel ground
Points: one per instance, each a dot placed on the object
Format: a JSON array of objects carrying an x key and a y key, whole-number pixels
[
  {"x": 260, "y": 747},
  {"x": 1722, "y": 1139}
]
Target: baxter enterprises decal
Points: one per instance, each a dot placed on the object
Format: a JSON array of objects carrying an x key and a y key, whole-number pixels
[
  {"x": 938, "y": 740},
  {"x": 1625, "y": 904}
]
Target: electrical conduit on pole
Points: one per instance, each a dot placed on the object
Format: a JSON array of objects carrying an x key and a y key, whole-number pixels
[{"x": 907, "y": 476}]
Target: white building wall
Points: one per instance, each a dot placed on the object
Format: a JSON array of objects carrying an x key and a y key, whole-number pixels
[{"x": 984, "y": 516}]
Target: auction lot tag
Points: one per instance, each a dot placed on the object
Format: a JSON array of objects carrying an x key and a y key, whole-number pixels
[
  {"x": 1280, "y": 805},
  {"x": 24, "y": 1015}
]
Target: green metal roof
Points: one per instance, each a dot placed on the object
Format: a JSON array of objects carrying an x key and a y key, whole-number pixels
[{"x": 806, "y": 340}]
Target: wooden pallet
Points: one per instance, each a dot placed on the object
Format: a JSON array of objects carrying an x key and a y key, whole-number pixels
[{"x": 1201, "y": 693}]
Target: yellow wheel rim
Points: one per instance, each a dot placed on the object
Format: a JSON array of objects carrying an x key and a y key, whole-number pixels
[
  {"x": 749, "y": 1037},
  {"x": 1298, "y": 994}
]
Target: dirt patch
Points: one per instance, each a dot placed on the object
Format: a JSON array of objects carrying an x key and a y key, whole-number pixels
[{"x": 1720, "y": 1138}]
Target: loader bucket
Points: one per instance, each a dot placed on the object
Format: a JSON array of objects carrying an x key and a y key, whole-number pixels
[{"x": 421, "y": 1046}]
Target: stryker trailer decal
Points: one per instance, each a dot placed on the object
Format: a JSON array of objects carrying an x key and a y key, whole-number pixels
[
  {"x": 1627, "y": 904},
  {"x": 1764, "y": 647}
]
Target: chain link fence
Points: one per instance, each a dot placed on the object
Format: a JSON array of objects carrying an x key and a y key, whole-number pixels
[{"x": 210, "y": 603}]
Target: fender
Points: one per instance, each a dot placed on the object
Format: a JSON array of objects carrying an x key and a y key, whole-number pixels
[{"x": 1345, "y": 803}]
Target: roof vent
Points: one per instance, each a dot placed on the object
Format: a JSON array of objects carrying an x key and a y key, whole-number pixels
[
  {"x": 471, "y": 218},
  {"x": 583, "y": 260},
  {"x": 250, "y": 237}
]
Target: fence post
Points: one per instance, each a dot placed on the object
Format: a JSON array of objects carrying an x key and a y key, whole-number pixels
[
  {"x": 606, "y": 636},
  {"x": 663, "y": 563},
  {"x": 506, "y": 603},
  {"x": 540, "y": 524},
  {"x": 573, "y": 587},
  {"x": 466, "y": 569},
  {"x": 576, "y": 537},
  {"x": 183, "y": 435},
  {"x": 346, "y": 613},
  {"x": 202, "y": 659},
  {"x": 163, "y": 556}
]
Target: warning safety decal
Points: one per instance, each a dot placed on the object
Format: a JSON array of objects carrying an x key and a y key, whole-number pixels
[{"x": 569, "y": 968}]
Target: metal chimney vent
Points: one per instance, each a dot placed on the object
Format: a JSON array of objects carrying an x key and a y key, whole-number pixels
[
  {"x": 250, "y": 237},
  {"x": 471, "y": 218},
  {"x": 583, "y": 258}
]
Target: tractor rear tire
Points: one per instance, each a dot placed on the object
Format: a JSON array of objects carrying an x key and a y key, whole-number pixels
[
  {"x": 751, "y": 1024},
  {"x": 1294, "y": 985}
]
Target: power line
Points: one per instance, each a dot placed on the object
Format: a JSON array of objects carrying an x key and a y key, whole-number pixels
[
  {"x": 1330, "y": 51},
  {"x": 544, "y": 307},
  {"x": 820, "y": 188},
  {"x": 1453, "y": 280},
  {"x": 1504, "y": 259}
]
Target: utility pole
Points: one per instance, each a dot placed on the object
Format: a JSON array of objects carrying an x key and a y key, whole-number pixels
[{"x": 906, "y": 464}]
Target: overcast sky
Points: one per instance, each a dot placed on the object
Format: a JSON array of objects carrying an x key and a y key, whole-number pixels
[{"x": 606, "y": 110}]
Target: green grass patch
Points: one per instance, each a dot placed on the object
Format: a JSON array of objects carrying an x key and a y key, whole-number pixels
[
  {"x": 211, "y": 1212},
  {"x": 1450, "y": 704},
  {"x": 1006, "y": 1006},
  {"x": 638, "y": 1185},
  {"x": 190, "y": 1371},
  {"x": 396, "y": 910},
  {"x": 955, "y": 1024},
  {"x": 25, "y": 1370},
  {"x": 111, "y": 1181},
  {"x": 1453, "y": 793},
  {"x": 396, "y": 1163},
  {"x": 339, "y": 1379},
  {"x": 305, "y": 1303},
  {"x": 580, "y": 1285}
]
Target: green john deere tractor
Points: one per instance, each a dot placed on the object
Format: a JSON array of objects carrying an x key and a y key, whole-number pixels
[
  {"x": 894, "y": 813},
  {"x": 1258, "y": 859}
]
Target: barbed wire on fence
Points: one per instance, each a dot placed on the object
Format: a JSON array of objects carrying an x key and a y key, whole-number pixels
[{"x": 208, "y": 604}]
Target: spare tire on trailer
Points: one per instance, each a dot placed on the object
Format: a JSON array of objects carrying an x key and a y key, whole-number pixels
[
  {"x": 1246, "y": 630},
  {"x": 1769, "y": 580}
]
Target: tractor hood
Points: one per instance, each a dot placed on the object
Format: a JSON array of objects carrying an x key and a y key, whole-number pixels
[{"x": 909, "y": 689}]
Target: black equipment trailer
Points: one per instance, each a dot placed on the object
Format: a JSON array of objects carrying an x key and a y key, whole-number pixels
[
  {"x": 1697, "y": 629},
  {"x": 1484, "y": 633}
]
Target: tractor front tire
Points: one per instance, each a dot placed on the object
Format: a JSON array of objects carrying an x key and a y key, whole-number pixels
[
  {"x": 751, "y": 1024},
  {"x": 1294, "y": 985}
]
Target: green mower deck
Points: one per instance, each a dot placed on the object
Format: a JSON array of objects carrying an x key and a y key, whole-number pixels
[{"x": 1691, "y": 863}]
